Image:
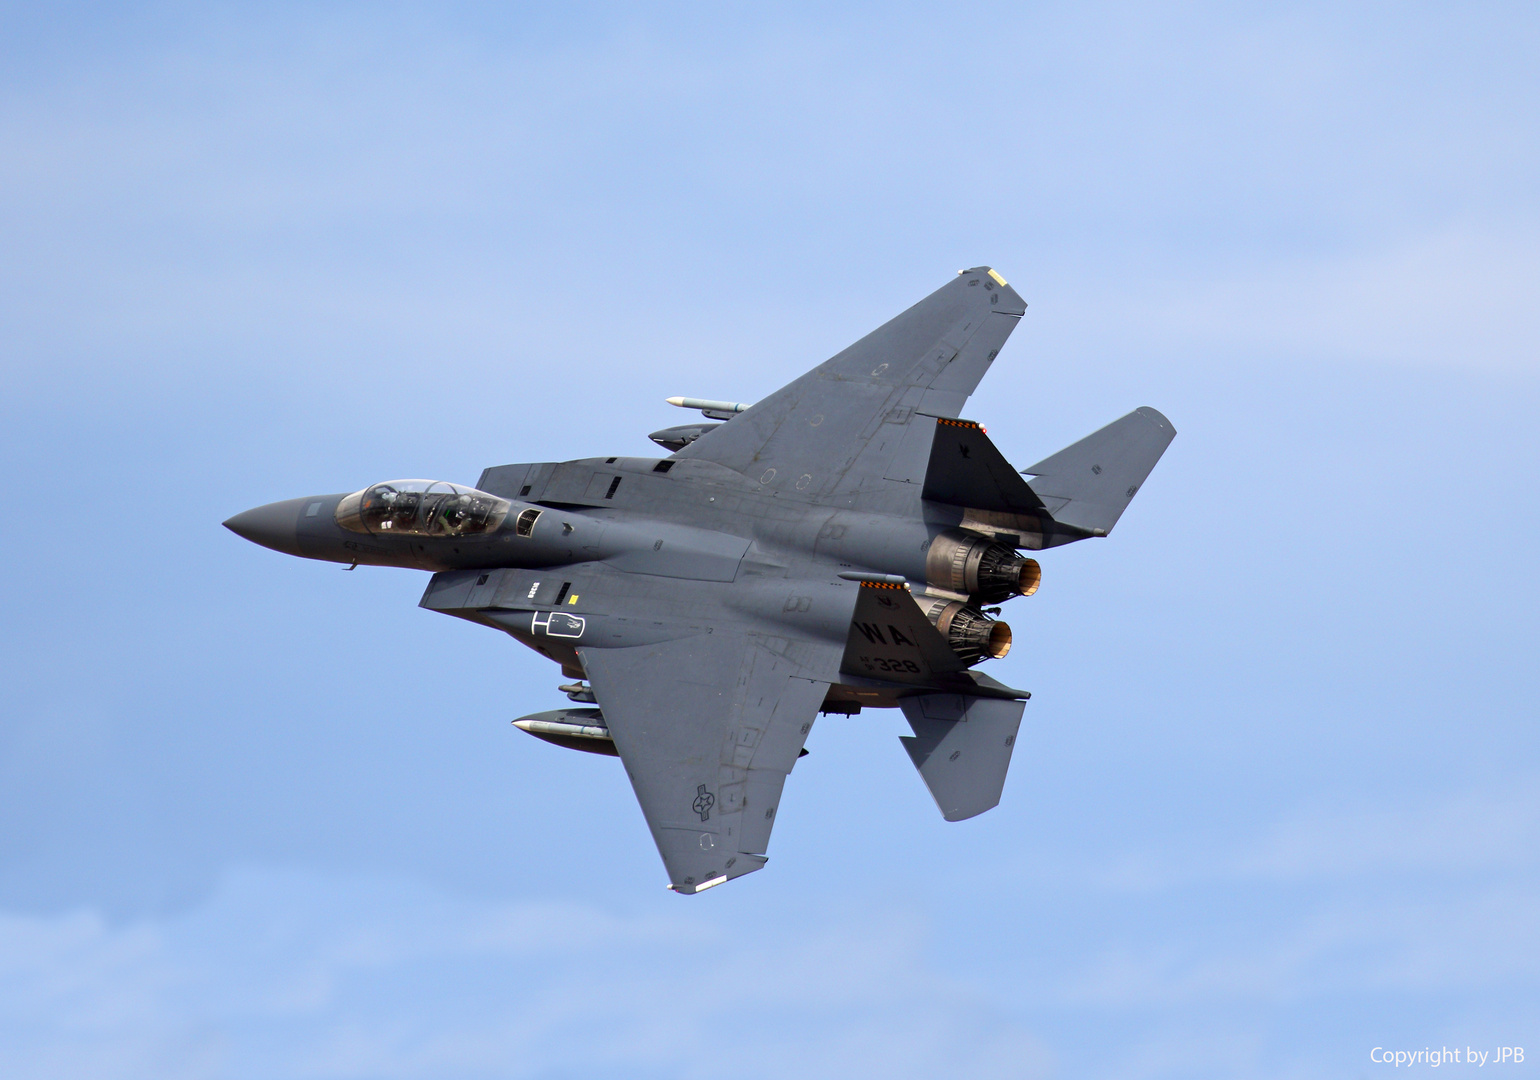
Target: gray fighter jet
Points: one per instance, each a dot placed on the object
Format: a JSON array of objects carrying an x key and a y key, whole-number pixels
[{"x": 829, "y": 549}]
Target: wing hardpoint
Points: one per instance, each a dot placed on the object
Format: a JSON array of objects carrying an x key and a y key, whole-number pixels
[
  {"x": 708, "y": 728},
  {"x": 839, "y": 427}
]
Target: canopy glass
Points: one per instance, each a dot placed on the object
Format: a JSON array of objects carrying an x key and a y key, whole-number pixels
[{"x": 421, "y": 508}]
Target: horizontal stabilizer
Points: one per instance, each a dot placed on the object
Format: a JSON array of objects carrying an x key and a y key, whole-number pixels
[
  {"x": 1089, "y": 485},
  {"x": 962, "y": 748}
]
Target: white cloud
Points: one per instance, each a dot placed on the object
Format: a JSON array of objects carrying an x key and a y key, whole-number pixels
[
  {"x": 1404, "y": 944},
  {"x": 286, "y": 975},
  {"x": 1486, "y": 833},
  {"x": 1482, "y": 832}
]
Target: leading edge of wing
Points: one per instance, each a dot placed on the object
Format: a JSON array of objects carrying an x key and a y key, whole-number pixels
[
  {"x": 809, "y": 437},
  {"x": 708, "y": 728}
]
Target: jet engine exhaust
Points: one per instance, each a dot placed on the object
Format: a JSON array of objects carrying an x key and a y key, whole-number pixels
[
  {"x": 963, "y": 562},
  {"x": 971, "y": 634}
]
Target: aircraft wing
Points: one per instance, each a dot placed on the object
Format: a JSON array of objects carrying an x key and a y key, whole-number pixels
[
  {"x": 846, "y": 425},
  {"x": 708, "y": 727}
]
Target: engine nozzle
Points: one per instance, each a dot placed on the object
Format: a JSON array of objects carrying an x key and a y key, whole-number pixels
[
  {"x": 972, "y": 635},
  {"x": 963, "y": 562}
]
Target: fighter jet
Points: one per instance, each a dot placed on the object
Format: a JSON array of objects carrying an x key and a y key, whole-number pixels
[{"x": 841, "y": 545}]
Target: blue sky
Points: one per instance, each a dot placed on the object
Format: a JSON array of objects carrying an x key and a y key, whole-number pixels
[{"x": 1276, "y": 799}]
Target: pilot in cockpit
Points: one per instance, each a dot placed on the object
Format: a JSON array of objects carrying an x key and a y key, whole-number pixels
[{"x": 421, "y": 508}]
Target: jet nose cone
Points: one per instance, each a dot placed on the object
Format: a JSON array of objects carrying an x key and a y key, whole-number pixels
[{"x": 275, "y": 525}]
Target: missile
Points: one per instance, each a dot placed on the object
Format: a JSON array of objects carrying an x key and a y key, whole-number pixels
[
  {"x": 578, "y": 691},
  {"x": 715, "y": 410},
  {"x": 675, "y": 439},
  {"x": 576, "y": 729},
  {"x": 876, "y": 579}
]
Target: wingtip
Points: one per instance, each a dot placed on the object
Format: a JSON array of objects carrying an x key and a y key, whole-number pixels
[
  {"x": 1149, "y": 412},
  {"x": 691, "y": 890},
  {"x": 990, "y": 270}
]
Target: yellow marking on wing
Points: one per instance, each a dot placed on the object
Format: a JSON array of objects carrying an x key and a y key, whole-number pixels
[
  {"x": 998, "y": 279},
  {"x": 573, "y": 599}
]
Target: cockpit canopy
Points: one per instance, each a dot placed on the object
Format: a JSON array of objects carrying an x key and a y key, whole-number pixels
[{"x": 421, "y": 508}]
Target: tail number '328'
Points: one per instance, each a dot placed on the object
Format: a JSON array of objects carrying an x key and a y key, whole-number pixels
[{"x": 882, "y": 663}]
